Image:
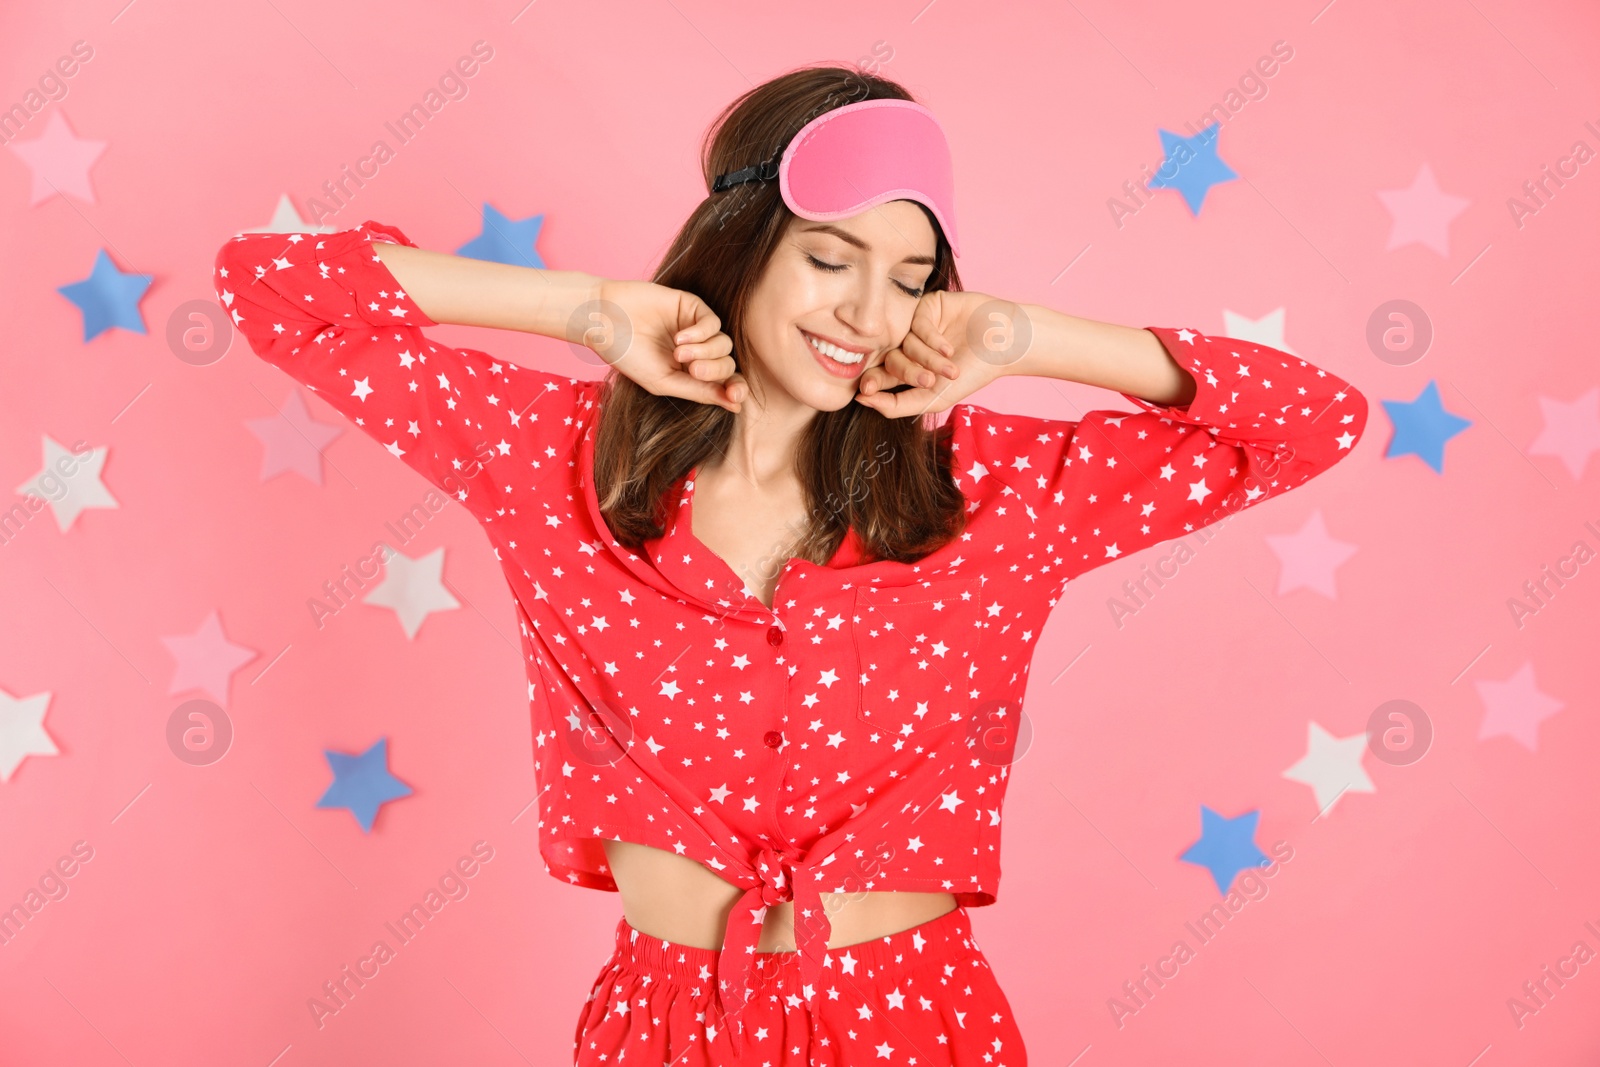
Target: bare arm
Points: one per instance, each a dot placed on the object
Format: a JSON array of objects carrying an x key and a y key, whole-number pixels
[
  {"x": 1123, "y": 358},
  {"x": 996, "y": 338},
  {"x": 476, "y": 292},
  {"x": 667, "y": 341}
]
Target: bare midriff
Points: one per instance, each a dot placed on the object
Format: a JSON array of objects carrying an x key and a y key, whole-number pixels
[{"x": 682, "y": 901}]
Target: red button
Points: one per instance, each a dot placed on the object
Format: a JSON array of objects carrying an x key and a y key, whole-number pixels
[
  {"x": 775, "y": 636},
  {"x": 773, "y": 739}
]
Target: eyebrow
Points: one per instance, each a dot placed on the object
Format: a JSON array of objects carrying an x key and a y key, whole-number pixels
[{"x": 852, "y": 239}]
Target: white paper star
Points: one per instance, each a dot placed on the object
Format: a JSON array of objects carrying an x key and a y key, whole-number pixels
[
  {"x": 1267, "y": 330},
  {"x": 22, "y": 732},
  {"x": 285, "y": 219},
  {"x": 1332, "y": 767},
  {"x": 70, "y": 482},
  {"x": 413, "y": 589}
]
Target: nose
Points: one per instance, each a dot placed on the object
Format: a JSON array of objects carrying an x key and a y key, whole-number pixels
[{"x": 865, "y": 309}]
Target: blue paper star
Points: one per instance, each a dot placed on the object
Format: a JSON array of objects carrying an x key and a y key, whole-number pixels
[
  {"x": 361, "y": 783},
  {"x": 1226, "y": 846},
  {"x": 108, "y": 297},
  {"x": 1197, "y": 170},
  {"x": 504, "y": 240},
  {"x": 1421, "y": 427}
]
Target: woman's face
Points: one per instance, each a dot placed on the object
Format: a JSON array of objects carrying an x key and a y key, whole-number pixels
[{"x": 852, "y": 283}]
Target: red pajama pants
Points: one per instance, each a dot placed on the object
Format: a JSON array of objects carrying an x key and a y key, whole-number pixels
[{"x": 923, "y": 997}]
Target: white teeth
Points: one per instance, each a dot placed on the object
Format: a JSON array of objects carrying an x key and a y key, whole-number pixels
[{"x": 834, "y": 351}]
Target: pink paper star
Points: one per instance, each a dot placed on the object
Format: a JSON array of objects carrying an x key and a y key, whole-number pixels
[
  {"x": 1422, "y": 213},
  {"x": 1515, "y": 708},
  {"x": 293, "y": 440},
  {"x": 60, "y": 161},
  {"x": 1309, "y": 557},
  {"x": 206, "y": 660},
  {"x": 1571, "y": 431}
]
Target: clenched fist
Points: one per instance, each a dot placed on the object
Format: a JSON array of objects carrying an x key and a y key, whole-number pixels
[{"x": 668, "y": 342}]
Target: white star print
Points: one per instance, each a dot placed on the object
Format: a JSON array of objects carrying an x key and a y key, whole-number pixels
[{"x": 688, "y": 676}]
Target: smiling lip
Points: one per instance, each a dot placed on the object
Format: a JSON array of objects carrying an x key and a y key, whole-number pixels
[
  {"x": 831, "y": 365},
  {"x": 839, "y": 344}
]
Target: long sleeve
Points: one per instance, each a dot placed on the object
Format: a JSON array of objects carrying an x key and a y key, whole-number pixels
[
  {"x": 326, "y": 310},
  {"x": 1112, "y": 483}
]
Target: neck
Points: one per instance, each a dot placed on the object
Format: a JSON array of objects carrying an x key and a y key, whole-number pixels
[{"x": 765, "y": 441}]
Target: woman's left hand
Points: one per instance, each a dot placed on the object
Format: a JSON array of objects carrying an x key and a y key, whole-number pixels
[{"x": 936, "y": 358}]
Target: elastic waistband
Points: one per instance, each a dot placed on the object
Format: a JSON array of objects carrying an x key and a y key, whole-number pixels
[{"x": 943, "y": 938}]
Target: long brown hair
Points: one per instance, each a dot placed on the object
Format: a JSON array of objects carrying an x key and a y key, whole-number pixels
[{"x": 887, "y": 478}]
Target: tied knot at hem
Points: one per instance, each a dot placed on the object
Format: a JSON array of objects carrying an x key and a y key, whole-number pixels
[
  {"x": 775, "y": 869},
  {"x": 742, "y": 973}
]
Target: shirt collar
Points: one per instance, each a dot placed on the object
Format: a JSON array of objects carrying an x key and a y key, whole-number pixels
[
  {"x": 693, "y": 567},
  {"x": 679, "y": 560}
]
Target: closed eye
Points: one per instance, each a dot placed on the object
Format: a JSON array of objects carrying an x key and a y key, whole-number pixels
[{"x": 834, "y": 268}]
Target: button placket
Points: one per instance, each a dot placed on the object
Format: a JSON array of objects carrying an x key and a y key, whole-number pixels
[{"x": 777, "y": 770}]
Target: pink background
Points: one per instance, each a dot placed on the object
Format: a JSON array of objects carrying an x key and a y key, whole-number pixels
[{"x": 219, "y": 898}]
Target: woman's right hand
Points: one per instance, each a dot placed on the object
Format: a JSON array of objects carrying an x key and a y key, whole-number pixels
[{"x": 670, "y": 343}]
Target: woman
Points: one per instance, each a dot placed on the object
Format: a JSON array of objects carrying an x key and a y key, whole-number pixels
[{"x": 777, "y": 624}]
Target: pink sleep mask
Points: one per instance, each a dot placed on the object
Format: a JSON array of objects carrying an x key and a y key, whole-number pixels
[{"x": 861, "y": 155}]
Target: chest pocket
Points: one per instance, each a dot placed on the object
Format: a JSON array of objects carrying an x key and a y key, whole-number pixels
[{"x": 918, "y": 647}]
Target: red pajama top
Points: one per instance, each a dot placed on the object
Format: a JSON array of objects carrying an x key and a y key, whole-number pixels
[{"x": 855, "y": 736}]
